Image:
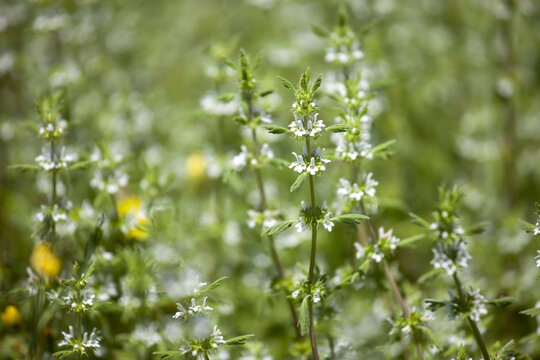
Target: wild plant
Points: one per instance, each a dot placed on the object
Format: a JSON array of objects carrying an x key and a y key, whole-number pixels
[
  {"x": 351, "y": 90},
  {"x": 257, "y": 158},
  {"x": 306, "y": 127},
  {"x": 451, "y": 257}
]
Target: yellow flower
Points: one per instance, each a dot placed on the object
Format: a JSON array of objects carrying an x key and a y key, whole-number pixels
[
  {"x": 11, "y": 315},
  {"x": 128, "y": 205},
  {"x": 44, "y": 261},
  {"x": 138, "y": 231},
  {"x": 130, "y": 211},
  {"x": 196, "y": 166}
]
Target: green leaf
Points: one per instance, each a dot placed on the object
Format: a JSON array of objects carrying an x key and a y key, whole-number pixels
[
  {"x": 503, "y": 301},
  {"x": 383, "y": 150},
  {"x": 411, "y": 240},
  {"x": 274, "y": 129},
  {"x": 429, "y": 334},
  {"x": 298, "y": 182},
  {"x": 476, "y": 229},
  {"x": 429, "y": 275},
  {"x": 304, "y": 321},
  {"x": 317, "y": 30},
  {"x": 349, "y": 218},
  {"x": 24, "y": 167},
  {"x": 212, "y": 286},
  {"x": 338, "y": 128},
  {"x": 317, "y": 84},
  {"x": 239, "y": 340},
  {"x": 80, "y": 164},
  {"x": 286, "y": 83},
  {"x": 226, "y": 98},
  {"x": 532, "y": 312},
  {"x": 417, "y": 220},
  {"x": 63, "y": 354},
  {"x": 241, "y": 119},
  {"x": 170, "y": 355},
  {"x": 266, "y": 92},
  {"x": 279, "y": 227}
]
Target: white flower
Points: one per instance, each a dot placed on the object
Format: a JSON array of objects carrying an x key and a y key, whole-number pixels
[
  {"x": 317, "y": 296},
  {"x": 299, "y": 166},
  {"x": 441, "y": 261},
  {"x": 266, "y": 151},
  {"x": 240, "y": 160},
  {"x": 312, "y": 169},
  {"x": 54, "y": 162},
  {"x": 345, "y": 188},
  {"x": 360, "y": 250},
  {"x": 301, "y": 225},
  {"x": 392, "y": 240},
  {"x": 217, "y": 337},
  {"x": 377, "y": 254},
  {"x": 536, "y": 230},
  {"x": 538, "y": 258},
  {"x": 328, "y": 225},
  {"x": 215, "y": 106},
  {"x": 479, "y": 307},
  {"x": 295, "y": 294}
]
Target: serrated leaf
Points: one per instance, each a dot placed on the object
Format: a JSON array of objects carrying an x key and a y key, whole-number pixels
[
  {"x": 239, "y": 340},
  {"x": 338, "y": 128},
  {"x": 410, "y": 241},
  {"x": 317, "y": 84},
  {"x": 532, "y": 312},
  {"x": 286, "y": 83},
  {"x": 274, "y": 129},
  {"x": 383, "y": 150},
  {"x": 297, "y": 184},
  {"x": 349, "y": 218},
  {"x": 304, "y": 321},
  {"x": 279, "y": 228}
]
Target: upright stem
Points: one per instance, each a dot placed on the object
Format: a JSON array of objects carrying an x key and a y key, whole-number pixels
[
  {"x": 312, "y": 337},
  {"x": 262, "y": 195},
  {"x": 474, "y": 326}
]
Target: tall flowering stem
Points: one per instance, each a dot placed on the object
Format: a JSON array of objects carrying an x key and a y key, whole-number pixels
[
  {"x": 308, "y": 128},
  {"x": 450, "y": 255},
  {"x": 351, "y": 89},
  {"x": 254, "y": 117}
]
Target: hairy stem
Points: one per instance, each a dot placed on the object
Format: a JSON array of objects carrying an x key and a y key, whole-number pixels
[
  {"x": 474, "y": 326},
  {"x": 312, "y": 337}
]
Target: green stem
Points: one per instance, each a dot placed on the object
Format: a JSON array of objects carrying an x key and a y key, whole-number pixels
[
  {"x": 474, "y": 326},
  {"x": 312, "y": 337}
]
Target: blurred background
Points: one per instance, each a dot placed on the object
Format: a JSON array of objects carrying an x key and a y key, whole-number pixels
[{"x": 457, "y": 85}]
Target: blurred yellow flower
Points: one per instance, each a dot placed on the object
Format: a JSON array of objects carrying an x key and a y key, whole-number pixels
[
  {"x": 11, "y": 315},
  {"x": 130, "y": 211},
  {"x": 44, "y": 261},
  {"x": 196, "y": 166},
  {"x": 128, "y": 205}
]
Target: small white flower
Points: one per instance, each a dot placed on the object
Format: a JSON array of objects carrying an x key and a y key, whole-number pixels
[
  {"x": 377, "y": 254},
  {"x": 537, "y": 258},
  {"x": 266, "y": 151},
  {"x": 328, "y": 225},
  {"x": 360, "y": 250},
  {"x": 317, "y": 296},
  {"x": 312, "y": 169},
  {"x": 299, "y": 166},
  {"x": 301, "y": 225},
  {"x": 240, "y": 160},
  {"x": 295, "y": 294}
]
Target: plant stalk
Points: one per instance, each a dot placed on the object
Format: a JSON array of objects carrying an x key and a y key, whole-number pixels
[
  {"x": 474, "y": 326},
  {"x": 312, "y": 337}
]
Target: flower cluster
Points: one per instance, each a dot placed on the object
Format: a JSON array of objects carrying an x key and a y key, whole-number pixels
[
  {"x": 315, "y": 164},
  {"x": 450, "y": 256},
  {"x": 385, "y": 245},
  {"x": 79, "y": 345},
  {"x": 362, "y": 192},
  {"x": 192, "y": 309},
  {"x": 53, "y": 161},
  {"x": 198, "y": 348},
  {"x": 306, "y": 219},
  {"x": 408, "y": 326},
  {"x": 301, "y": 126},
  {"x": 317, "y": 291},
  {"x": 245, "y": 158},
  {"x": 345, "y": 49}
]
